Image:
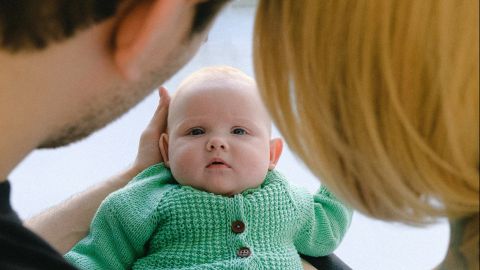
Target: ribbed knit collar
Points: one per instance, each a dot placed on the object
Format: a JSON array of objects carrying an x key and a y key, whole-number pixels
[{"x": 160, "y": 167}]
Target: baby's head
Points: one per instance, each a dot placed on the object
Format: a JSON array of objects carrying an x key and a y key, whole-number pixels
[{"x": 219, "y": 133}]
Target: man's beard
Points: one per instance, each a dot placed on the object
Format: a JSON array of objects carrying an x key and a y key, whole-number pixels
[
  {"x": 100, "y": 113},
  {"x": 93, "y": 118}
]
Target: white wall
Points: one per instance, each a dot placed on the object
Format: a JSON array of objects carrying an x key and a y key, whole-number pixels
[{"x": 49, "y": 176}]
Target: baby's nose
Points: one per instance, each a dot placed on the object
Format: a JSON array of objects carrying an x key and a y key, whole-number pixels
[{"x": 216, "y": 144}]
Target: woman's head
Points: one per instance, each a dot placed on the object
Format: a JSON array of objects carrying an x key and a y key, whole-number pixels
[{"x": 379, "y": 99}]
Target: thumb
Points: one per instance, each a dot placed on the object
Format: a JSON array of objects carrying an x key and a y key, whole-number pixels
[{"x": 159, "y": 118}]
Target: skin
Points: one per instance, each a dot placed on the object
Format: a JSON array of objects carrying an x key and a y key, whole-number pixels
[
  {"x": 67, "y": 97},
  {"x": 239, "y": 100},
  {"x": 70, "y": 89},
  {"x": 58, "y": 97},
  {"x": 219, "y": 136},
  {"x": 462, "y": 251}
]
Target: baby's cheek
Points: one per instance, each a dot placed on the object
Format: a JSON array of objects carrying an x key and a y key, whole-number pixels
[
  {"x": 257, "y": 159},
  {"x": 183, "y": 164},
  {"x": 256, "y": 172}
]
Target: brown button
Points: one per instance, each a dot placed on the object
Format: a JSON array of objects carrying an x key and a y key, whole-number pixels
[
  {"x": 244, "y": 252},
  {"x": 238, "y": 226}
]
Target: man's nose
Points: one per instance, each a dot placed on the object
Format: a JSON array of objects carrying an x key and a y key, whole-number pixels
[{"x": 216, "y": 143}]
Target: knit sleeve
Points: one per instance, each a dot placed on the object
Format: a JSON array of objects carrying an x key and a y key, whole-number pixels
[
  {"x": 121, "y": 227},
  {"x": 325, "y": 221}
]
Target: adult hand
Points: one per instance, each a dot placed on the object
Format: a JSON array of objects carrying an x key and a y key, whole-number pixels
[
  {"x": 148, "y": 148},
  {"x": 307, "y": 266},
  {"x": 65, "y": 224}
]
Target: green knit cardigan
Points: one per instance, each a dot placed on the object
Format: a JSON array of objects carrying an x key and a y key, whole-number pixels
[{"x": 155, "y": 223}]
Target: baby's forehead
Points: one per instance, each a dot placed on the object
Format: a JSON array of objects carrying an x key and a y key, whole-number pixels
[
  {"x": 229, "y": 97},
  {"x": 212, "y": 80},
  {"x": 227, "y": 83}
]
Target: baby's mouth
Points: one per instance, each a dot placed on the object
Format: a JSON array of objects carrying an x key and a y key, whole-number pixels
[{"x": 217, "y": 163}]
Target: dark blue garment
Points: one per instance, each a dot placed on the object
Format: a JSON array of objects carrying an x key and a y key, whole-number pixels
[
  {"x": 20, "y": 248},
  {"x": 330, "y": 262}
]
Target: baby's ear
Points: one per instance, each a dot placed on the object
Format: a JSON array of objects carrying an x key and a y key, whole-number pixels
[
  {"x": 163, "y": 144},
  {"x": 276, "y": 147}
]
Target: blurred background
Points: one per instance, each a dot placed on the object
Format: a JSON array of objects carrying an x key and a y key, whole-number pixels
[{"x": 48, "y": 177}]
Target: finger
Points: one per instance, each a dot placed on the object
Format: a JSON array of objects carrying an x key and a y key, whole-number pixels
[
  {"x": 164, "y": 96},
  {"x": 159, "y": 118}
]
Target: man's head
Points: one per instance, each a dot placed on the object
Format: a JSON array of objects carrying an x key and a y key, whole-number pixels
[
  {"x": 219, "y": 133},
  {"x": 84, "y": 63},
  {"x": 33, "y": 25}
]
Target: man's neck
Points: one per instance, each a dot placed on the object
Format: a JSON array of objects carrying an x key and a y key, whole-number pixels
[
  {"x": 42, "y": 90},
  {"x": 11, "y": 155},
  {"x": 21, "y": 123}
]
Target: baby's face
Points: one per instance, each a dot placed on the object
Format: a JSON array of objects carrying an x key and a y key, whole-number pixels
[{"x": 219, "y": 137}]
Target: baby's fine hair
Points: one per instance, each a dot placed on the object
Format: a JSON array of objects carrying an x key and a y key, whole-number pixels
[{"x": 217, "y": 72}]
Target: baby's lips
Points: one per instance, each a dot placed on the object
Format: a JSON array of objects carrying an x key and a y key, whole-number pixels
[{"x": 217, "y": 162}]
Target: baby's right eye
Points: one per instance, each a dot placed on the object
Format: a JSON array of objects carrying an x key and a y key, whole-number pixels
[{"x": 196, "y": 131}]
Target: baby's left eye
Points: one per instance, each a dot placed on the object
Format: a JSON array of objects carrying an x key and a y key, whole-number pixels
[{"x": 239, "y": 131}]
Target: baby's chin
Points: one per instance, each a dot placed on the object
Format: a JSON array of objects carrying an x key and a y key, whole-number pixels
[
  {"x": 220, "y": 186},
  {"x": 213, "y": 187},
  {"x": 228, "y": 191},
  {"x": 223, "y": 191}
]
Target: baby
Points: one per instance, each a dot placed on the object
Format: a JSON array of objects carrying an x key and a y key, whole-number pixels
[{"x": 216, "y": 202}]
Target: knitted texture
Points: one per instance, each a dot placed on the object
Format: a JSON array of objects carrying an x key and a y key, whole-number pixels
[{"x": 154, "y": 223}]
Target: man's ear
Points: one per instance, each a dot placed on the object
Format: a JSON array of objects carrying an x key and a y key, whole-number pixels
[
  {"x": 149, "y": 29},
  {"x": 163, "y": 144},
  {"x": 276, "y": 147}
]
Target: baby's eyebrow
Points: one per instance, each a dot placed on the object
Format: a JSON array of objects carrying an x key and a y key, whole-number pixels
[
  {"x": 189, "y": 121},
  {"x": 199, "y": 121},
  {"x": 186, "y": 123}
]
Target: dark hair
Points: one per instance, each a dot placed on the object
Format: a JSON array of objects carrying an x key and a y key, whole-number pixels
[
  {"x": 205, "y": 13},
  {"x": 34, "y": 24}
]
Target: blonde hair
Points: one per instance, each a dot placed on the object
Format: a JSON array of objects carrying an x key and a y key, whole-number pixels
[{"x": 378, "y": 98}]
